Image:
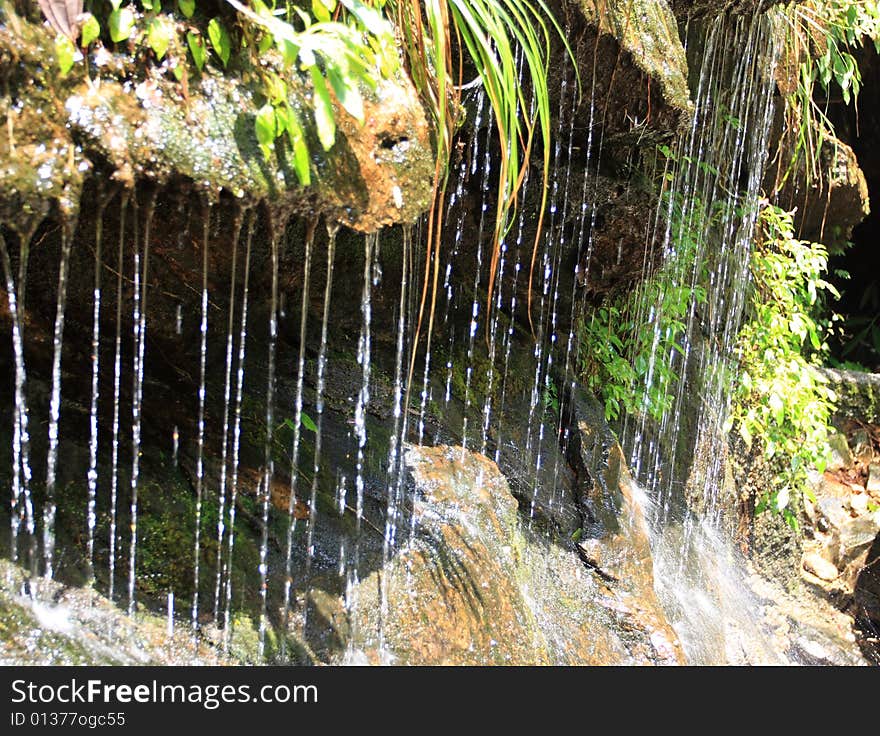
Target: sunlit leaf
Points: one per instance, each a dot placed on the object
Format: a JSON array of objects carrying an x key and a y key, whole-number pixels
[
  {"x": 197, "y": 48},
  {"x": 65, "y": 52},
  {"x": 324, "y": 120},
  {"x": 220, "y": 40},
  {"x": 120, "y": 23},
  {"x": 91, "y": 29},
  {"x": 159, "y": 37}
]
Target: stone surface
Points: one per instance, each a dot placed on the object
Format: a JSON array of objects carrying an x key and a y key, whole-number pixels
[
  {"x": 646, "y": 29},
  {"x": 873, "y": 478},
  {"x": 476, "y": 587},
  {"x": 858, "y": 394},
  {"x": 841, "y": 457}
]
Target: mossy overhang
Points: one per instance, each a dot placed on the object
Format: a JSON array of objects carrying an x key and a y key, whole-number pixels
[
  {"x": 646, "y": 30},
  {"x": 128, "y": 116}
]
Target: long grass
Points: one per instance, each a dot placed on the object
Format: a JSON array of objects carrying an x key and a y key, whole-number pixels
[{"x": 507, "y": 42}]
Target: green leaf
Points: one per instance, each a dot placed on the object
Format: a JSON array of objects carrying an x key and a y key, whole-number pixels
[
  {"x": 297, "y": 139},
  {"x": 197, "y": 48},
  {"x": 91, "y": 29},
  {"x": 120, "y": 23},
  {"x": 320, "y": 11},
  {"x": 151, "y": 5},
  {"x": 308, "y": 423},
  {"x": 220, "y": 40},
  {"x": 265, "y": 125},
  {"x": 745, "y": 434},
  {"x": 187, "y": 7},
  {"x": 346, "y": 91},
  {"x": 115, "y": 4},
  {"x": 324, "y": 119},
  {"x": 65, "y": 52},
  {"x": 158, "y": 37},
  {"x": 265, "y": 43}
]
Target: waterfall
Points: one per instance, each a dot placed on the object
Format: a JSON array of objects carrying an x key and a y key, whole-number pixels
[
  {"x": 295, "y": 366},
  {"x": 710, "y": 206}
]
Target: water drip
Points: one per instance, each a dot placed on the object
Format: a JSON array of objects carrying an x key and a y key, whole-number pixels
[
  {"x": 332, "y": 230},
  {"x": 236, "y": 433},
  {"x": 227, "y": 397},
  {"x": 297, "y": 425},
  {"x": 92, "y": 477},
  {"x": 207, "y": 209},
  {"x": 50, "y": 507},
  {"x": 139, "y": 322},
  {"x": 268, "y": 462},
  {"x": 117, "y": 388}
]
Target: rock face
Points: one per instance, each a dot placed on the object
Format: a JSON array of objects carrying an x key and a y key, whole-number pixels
[
  {"x": 646, "y": 31},
  {"x": 833, "y": 203},
  {"x": 474, "y": 586},
  {"x": 139, "y": 123},
  {"x": 858, "y": 394}
]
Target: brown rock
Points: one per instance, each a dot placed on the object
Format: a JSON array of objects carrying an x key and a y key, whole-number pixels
[{"x": 474, "y": 587}]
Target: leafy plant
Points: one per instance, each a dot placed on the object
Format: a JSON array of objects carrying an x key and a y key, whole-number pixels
[
  {"x": 782, "y": 402},
  {"x": 818, "y": 54},
  {"x": 630, "y": 345}
]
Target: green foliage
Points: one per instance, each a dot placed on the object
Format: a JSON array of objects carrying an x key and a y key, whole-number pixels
[
  {"x": 120, "y": 22},
  {"x": 822, "y": 36},
  {"x": 220, "y": 40},
  {"x": 306, "y": 421},
  {"x": 340, "y": 49},
  {"x": 505, "y": 41},
  {"x": 91, "y": 29},
  {"x": 629, "y": 345},
  {"x": 782, "y": 402}
]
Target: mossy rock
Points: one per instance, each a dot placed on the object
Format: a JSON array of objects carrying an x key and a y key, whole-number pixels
[{"x": 131, "y": 117}]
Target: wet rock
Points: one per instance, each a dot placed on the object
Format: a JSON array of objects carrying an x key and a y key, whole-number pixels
[
  {"x": 820, "y": 567},
  {"x": 59, "y": 625},
  {"x": 690, "y": 9},
  {"x": 647, "y": 31},
  {"x": 476, "y": 587}
]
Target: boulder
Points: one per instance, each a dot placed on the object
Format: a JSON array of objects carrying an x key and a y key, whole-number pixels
[{"x": 474, "y": 586}]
